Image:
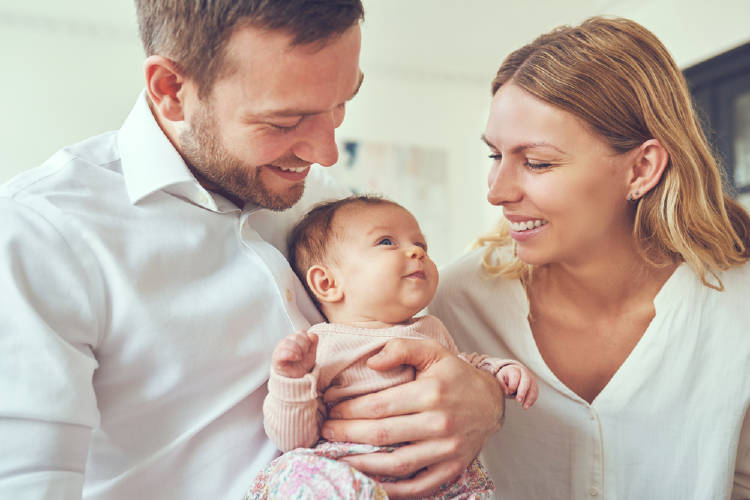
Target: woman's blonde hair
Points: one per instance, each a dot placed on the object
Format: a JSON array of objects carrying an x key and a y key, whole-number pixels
[{"x": 618, "y": 78}]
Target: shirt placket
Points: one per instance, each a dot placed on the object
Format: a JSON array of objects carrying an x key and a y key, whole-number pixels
[{"x": 279, "y": 270}]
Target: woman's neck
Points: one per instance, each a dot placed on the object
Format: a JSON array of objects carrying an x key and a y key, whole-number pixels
[{"x": 606, "y": 285}]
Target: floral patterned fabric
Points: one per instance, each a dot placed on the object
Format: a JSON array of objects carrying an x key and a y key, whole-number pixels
[{"x": 315, "y": 473}]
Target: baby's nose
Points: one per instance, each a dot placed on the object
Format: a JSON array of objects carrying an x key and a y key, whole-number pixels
[{"x": 416, "y": 252}]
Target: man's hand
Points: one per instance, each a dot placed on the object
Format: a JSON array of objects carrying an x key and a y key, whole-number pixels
[{"x": 445, "y": 415}]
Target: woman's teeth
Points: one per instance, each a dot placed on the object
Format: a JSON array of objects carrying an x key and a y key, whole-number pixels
[{"x": 525, "y": 226}]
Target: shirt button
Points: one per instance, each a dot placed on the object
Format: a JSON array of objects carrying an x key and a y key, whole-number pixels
[
  {"x": 289, "y": 295},
  {"x": 593, "y": 491}
]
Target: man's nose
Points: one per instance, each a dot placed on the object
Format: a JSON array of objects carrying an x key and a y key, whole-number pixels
[{"x": 318, "y": 145}]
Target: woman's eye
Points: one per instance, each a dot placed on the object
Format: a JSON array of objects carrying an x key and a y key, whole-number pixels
[
  {"x": 496, "y": 156},
  {"x": 533, "y": 165},
  {"x": 385, "y": 241}
]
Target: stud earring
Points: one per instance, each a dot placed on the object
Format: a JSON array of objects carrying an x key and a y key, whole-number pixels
[{"x": 633, "y": 197}]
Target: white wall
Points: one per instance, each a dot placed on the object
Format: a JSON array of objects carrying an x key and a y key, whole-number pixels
[
  {"x": 66, "y": 75},
  {"x": 73, "y": 69}
]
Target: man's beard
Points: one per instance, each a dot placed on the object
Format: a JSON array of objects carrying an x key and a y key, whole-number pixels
[{"x": 219, "y": 171}]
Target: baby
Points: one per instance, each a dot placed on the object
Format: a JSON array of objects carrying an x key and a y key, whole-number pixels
[{"x": 364, "y": 261}]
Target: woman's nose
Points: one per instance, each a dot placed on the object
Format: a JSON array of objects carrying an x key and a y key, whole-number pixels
[{"x": 503, "y": 184}]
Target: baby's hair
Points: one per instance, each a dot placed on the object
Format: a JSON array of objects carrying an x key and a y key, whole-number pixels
[{"x": 310, "y": 240}]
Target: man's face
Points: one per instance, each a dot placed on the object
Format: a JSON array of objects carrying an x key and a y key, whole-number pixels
[{"x": 255, "y": 136}]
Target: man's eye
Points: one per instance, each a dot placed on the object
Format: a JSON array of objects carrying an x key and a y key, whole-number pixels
[
  {"x": 385, "y": 241},
  {"x": 285, "y": 128}
]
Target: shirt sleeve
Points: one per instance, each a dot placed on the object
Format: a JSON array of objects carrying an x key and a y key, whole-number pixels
[
  {"x": 48, "y": 331},
  {"x": 293, "y": 411},
  {"x": 741, "y": 490}
]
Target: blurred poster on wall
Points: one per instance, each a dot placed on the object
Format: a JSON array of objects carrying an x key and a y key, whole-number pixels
[{"x": 413, "y": 176}]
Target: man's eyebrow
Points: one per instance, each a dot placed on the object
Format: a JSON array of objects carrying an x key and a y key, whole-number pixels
[
  {"x": 525, "y": 146},
  {"x": 283, "y": 113}
]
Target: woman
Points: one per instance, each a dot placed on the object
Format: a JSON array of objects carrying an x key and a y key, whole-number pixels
[{"x": 619, "y": 277}]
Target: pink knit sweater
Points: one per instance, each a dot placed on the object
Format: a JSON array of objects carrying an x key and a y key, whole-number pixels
[{"x": 295, "y": 408}]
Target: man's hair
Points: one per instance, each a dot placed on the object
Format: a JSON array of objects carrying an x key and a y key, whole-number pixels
[
  {"x": 310, "y": 240},
  {"x": 194, "y": 33}
]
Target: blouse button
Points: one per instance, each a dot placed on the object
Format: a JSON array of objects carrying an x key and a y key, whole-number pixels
[{"x": 593, "y": 491}]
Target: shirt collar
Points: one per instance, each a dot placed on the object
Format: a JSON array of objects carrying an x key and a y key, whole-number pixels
[{"x": 150, "y": 163}]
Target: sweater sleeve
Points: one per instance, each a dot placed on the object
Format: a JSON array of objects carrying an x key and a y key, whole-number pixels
[
  {"x": 434, "y": 328},
  {"x": 431, "y": 327},
  {"x": 293, "y": 411}
]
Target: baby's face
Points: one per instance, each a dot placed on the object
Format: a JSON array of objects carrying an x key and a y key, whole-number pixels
[{"x": 382, "y": 263}]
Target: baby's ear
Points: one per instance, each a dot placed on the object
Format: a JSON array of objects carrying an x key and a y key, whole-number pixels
[{"x": 323, "y": 284}]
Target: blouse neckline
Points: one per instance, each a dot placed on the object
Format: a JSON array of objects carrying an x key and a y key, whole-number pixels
[{"x": 679, "y": 281}]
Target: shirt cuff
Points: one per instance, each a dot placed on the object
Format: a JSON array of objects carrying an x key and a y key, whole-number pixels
[{"x": 294, "y": 390}]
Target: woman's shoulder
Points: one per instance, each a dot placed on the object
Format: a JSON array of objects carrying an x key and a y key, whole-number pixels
[
  {"x": 466, "y": 281},
  {"x": 737, "y": 279},
  {"x": 736, "y": 289},
  {"x": 469, "y": 263},
  {"x": 470, "y": 269}
]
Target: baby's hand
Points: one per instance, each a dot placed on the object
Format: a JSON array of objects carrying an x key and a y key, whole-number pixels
[
  {"x": 294, "y": 356},
  {"x": 517, "y": 380}
]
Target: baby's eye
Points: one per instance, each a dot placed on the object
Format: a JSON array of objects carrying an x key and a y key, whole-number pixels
[{"x": 385, "y": 241}]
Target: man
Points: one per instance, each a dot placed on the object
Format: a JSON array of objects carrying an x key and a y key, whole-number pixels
[{"x": 145, "y": 283}]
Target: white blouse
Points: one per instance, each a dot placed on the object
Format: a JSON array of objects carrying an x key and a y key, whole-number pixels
[{"x": 672, "y": 423}]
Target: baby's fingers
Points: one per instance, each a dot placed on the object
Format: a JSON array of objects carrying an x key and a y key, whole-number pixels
[
  {"x": 287, "y": 350},
  {"x": 511, "y": 377},
  {"x": 527, "y": 391},
  {"x": 312, "y": 342}
]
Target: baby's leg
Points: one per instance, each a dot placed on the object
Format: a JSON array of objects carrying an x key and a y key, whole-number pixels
[
  {"x": 314, "y": 473},
  {"x": 473, "y": 484}
]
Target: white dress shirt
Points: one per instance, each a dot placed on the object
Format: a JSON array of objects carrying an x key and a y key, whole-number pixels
[
  {"x": 671, "y": 423},
  {"x": 139, "y": 313}
]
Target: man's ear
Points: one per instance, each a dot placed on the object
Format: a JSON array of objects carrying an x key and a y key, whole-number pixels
[
  {"x": 164, "y": 82},
  {"x": 323, "y": 284},
  {"x": 649, "y": 162}
]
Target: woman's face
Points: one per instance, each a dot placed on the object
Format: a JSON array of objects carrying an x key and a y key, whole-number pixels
[{"x": 562, "y": 188}]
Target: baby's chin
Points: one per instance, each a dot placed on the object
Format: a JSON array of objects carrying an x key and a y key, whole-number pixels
[{"x": 406, "y": 316}]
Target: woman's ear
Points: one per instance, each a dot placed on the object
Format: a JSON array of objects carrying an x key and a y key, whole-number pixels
[
  {"x": 323, "y": 284},
  {"x": 164, "y": 83},
  {"x": 651, "y": 158}
]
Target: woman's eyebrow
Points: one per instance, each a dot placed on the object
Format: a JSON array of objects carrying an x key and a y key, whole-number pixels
[{"x": 525, "y": 146}]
